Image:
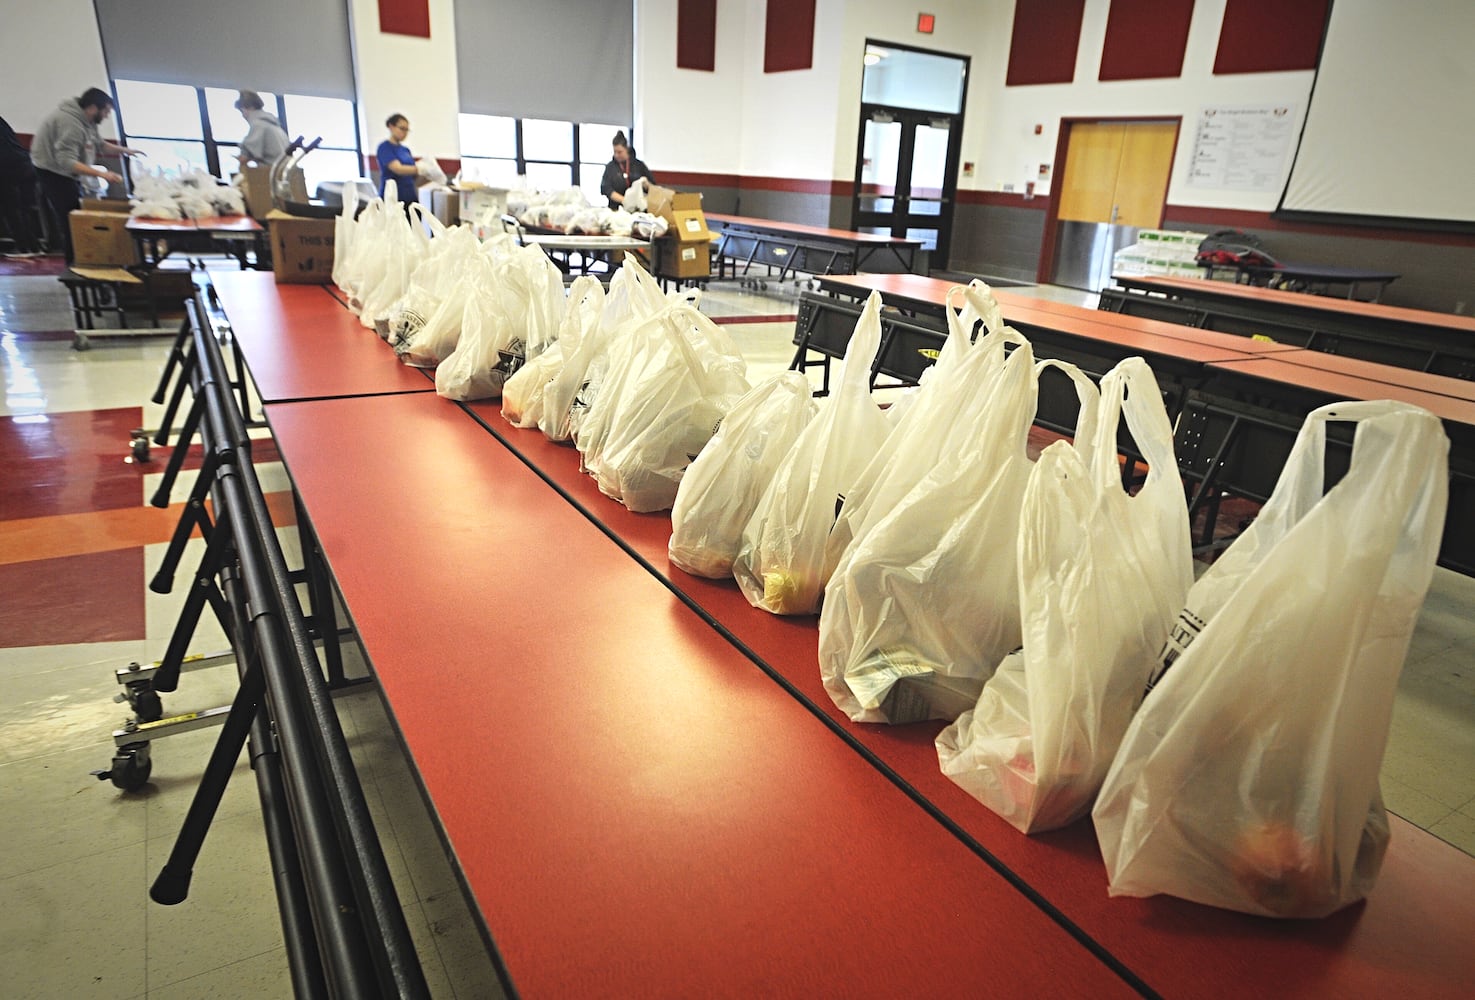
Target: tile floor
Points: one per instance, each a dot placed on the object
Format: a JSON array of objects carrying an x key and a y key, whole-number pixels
[{"x": 77, "y": 548}]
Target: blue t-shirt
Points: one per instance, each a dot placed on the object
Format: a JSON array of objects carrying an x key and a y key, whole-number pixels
[{"x": 388, "y": 153}]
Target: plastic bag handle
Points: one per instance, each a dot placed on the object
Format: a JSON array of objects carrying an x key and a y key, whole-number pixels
[
  {"x": 1131, "y": 390},
  {"x": 1086, "y": 394}
]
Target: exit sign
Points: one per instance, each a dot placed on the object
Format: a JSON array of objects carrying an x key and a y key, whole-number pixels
[{"x": 925, "y": 24}]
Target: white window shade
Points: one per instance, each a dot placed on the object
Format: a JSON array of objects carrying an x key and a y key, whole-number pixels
[
  {"x": 285, "y": 46},
  {"x": 566, "y": 60},
  {"x": 1390, "y": 130}
]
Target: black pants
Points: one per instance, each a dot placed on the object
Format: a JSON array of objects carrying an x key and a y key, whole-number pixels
[
  {"x": 63, "y": 197},
  {"x": 18, "y": 207}
]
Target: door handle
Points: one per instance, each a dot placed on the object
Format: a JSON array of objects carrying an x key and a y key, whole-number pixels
[{"x": 1114, "y": 214}]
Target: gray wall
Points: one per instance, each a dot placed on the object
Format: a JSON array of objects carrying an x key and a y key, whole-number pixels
[{"x": 997, "y": 240}]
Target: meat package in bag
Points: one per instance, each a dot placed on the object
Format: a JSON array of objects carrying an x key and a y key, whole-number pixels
[
  {"x": 1101, "y": 577},
  {"x": 1249, "y": 777}
]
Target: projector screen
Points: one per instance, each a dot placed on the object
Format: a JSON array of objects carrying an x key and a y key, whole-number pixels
[{"x": 1390, "y": 130}]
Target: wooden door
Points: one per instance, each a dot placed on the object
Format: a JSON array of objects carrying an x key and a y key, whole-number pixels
[{"x": 1116, "y": 173}]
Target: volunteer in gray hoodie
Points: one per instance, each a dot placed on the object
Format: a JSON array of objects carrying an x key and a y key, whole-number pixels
[
  {"x": 63, "y": 149},
  {"x": 266, "y": 141}
]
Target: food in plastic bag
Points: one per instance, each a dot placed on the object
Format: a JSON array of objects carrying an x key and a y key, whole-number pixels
[
  {"x": 925, "y": 604},
  {"x": 723, "y": 485},
  {"x": 580, "y": 321},
  {"x": 669, "y": 384},
  {"x": 478, "y": 367},
  {"x": 523, "y": 395},
  {"x": 924, "y": 419},
  {"x": 780, "y": 564},
  {"x": 1249, "y": 777},
  {"x": 1101, "y": 576}
]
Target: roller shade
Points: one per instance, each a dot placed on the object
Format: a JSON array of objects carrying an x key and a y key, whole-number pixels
[
  {"x": 568, "y": 60},
  {"x": 284, "y": 46}
]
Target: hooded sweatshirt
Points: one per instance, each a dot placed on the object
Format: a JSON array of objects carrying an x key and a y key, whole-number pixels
[
  {"x": 67, "y": 136},
  {"x": 265, "y": 141}
]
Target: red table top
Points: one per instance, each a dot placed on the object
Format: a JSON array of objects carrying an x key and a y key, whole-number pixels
[
  {"x": 1298, "y": 300},
  {"x": 636, "y": 808},
  {"x": 1408, "y": 939},
  {"x": 139, "y": 224},
  {"x": 1343, "y": 386},
  {"x": 302, "y": 343},
  {"x": 843, "y": 235}
]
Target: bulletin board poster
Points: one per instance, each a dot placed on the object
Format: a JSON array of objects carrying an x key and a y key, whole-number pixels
[{"x": 1242, "y": 148}]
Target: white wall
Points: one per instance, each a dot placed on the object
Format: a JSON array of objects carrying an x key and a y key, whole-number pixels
[
  {"x": 50, "y": 50},
  {"x": 688, "y": 119},
  {"x": 1012, "y": 153},
  {"x": 415, "y": 77}
]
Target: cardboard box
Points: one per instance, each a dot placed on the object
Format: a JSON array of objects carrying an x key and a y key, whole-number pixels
[
  {"x": 122, "y": 205},
  {"x": 686, "y": 249},
  {"x": 482, "y": 209},
  {"x": 256, "y": 188},
  {"x": 101, "y": 238},
  {"x": 676, "y": 258},
  {"x": 301, "y": 248},
  {"x": 442, "y": 203}
]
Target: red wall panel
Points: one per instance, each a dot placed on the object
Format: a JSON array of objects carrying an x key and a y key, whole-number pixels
[
  {"x": 696, "y": 34},
  {"x": 788, "y": 35},
  {"x": 1043, "y": 43},
  {"x": 1269, "y": 36},
  {"x": 1145, "y": 39},
  {"x": 405, "y": 17}
]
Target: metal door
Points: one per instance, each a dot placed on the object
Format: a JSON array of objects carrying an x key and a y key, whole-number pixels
[{"x": 906, "y": 176}]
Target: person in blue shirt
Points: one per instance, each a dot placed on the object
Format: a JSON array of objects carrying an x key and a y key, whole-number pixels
[{"x": 396, "y": 161}]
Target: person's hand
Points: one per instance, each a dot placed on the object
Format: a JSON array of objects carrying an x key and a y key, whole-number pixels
[
  {"x": 133, "y": 152},
  {"x": 112, "y": 177}
]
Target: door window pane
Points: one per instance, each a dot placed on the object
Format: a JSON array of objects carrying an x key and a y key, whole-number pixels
[
  {"x": 926, "y": 81},
  {"x": 489, "y": 136},
  {"x": 226, "y": 123},
  {"x": 880, "y": 150},
  {"x": 329, "y": 117},
  {"x": 161, "y": 109},
  {"x": 929, "y": 161},
  {"x": 547, "y": 140}
]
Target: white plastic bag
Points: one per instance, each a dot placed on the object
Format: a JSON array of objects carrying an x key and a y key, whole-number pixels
[
  {"x": 780, "y": 564},
  {"x": 478, "y": 367},
  {"x": 927, "y": 418},
  {"x": 581, "y": 320},
  {"x": 722, "y": 487},
  {"x": 926, "y": 603},
  {"x": 1249, "y": 777},
  {"x": 525, "y": 391},
  {"x": 1101, "y": 577},
  {"x": 669, "y": 385}
]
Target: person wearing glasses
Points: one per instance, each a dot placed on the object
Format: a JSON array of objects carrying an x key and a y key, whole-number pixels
[{"x": 396, "y": 162}]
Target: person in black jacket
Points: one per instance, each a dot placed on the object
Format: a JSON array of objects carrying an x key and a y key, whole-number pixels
[
  {"x": 622, "y": 171},
  {"x": 17, "y": 194}
]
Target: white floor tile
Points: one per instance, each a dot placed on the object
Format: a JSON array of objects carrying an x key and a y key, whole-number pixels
[{"x": 257, "y": 978}]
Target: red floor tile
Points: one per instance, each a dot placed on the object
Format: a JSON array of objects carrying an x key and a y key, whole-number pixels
[
  {"x": 69, "y": 463},
  {"x": 97, "y": 597}
]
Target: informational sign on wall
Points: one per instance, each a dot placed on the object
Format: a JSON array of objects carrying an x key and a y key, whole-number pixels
[{"x": 1242, "y": 149}]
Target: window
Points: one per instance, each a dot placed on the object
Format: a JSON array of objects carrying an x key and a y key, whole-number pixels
[
  {"x": 185, "y": 128},
  {"x": 550, "y": 154}
]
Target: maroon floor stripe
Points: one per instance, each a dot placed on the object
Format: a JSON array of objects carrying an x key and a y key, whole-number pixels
[
  {"x": 780, "y": 318},
  {"x": 98, "y": 597}
]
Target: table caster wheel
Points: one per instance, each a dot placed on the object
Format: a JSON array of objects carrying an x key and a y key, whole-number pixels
[
  {"x": 131, "y": 768},
  {"x": 146, "y": 704},
  {"x": 81, "y": 343}
]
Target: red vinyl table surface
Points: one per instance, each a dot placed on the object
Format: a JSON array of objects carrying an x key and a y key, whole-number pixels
[
  {"x": 302, "y": 343},
  {"x": 1409, "y": 939},
  {"x": 776, "y": 227},
  {"x": 1372, "y": 371},
  {"x": 1339, "y": 385},
  {"x": 636, "y": 808}
]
